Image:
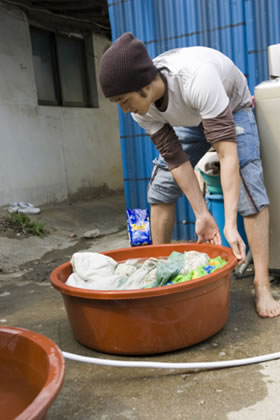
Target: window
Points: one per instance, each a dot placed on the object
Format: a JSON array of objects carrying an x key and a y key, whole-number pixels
[{"x": 64, "y": 69}]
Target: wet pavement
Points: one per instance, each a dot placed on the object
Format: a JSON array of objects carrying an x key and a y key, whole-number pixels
[{"x": 28, "y": 300}]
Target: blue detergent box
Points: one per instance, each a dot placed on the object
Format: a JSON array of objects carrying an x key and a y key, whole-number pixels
[{"x": 138, "y": 226}]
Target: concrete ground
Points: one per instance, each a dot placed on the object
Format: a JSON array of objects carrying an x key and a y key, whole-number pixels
[{"x": 28, "y": 300}]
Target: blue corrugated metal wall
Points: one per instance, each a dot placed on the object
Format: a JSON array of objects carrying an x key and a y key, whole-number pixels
[{"x": 241, "y": 29}]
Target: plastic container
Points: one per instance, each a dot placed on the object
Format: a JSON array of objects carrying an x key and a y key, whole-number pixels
[
  {"x": 213, "y": 182},
  {"x": 31, "y": 374},
  {"x": 148, "y": 321},
  {"x": 215, "y": 204}
]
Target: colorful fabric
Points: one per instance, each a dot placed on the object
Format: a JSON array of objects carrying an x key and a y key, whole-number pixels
[{"x": 214, "y": 265}]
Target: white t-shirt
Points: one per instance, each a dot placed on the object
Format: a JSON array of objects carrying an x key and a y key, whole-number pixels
[{"x": 202, "y": 82}]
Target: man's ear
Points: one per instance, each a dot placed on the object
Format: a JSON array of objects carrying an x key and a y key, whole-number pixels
[{"x": 146, "y": 89}]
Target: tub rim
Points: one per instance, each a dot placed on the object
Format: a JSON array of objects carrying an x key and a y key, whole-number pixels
[
  {"x": 145, "y": 293},
  {"x": 48, "y": 393}
]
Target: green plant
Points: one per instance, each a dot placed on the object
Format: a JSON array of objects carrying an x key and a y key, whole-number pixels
[{"x": 22, "y": 221}]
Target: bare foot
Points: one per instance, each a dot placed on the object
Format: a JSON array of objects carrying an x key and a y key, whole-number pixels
[{"x": 266, "y": 306}]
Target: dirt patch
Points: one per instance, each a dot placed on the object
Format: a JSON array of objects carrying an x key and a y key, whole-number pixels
[
  {"x": 11, "y": 230},
  {"x": 21, "y": 226},
  {"x": 39, "y": 270}
]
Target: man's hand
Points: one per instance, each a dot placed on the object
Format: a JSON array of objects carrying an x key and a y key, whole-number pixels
[
  {"x": 237, "y": 245},
  {"x": 205, "y": 226},
  {"x": 228, "y": 156},
  {"x": 207, "y": 229}
]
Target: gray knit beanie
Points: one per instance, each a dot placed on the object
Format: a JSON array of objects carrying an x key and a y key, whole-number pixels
[{"x": 125, "y": 67}]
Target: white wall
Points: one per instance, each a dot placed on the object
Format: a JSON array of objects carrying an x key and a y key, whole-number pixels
[{"x": 49, "y": 153}]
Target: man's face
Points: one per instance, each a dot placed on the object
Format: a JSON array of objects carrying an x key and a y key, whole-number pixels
[{"x": 133, "y": 102}]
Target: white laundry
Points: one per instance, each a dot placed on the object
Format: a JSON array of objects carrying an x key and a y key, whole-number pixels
[
  {"x": 89, "y": 264},
  {"x": 127, "y": 268},
  {"x": 96, "y": 271},
  {"x": 193, "y": 260},
  {"x": 92, "y": 270},
  {"x": 110, "y": 282}
]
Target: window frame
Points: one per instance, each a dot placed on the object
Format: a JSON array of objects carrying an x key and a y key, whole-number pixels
[{"x": 88, "y": 65}]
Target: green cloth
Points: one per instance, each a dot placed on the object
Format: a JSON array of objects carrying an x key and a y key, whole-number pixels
[{"x": 168, "y": 269}]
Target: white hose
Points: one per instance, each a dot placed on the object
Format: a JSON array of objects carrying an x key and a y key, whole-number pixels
[{"x": 164, "y": 365}]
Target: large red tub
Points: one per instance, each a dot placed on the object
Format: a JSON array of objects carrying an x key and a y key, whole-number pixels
[
  {"x": 148, "y": 321},
  {"x": 31, "y": 374}
]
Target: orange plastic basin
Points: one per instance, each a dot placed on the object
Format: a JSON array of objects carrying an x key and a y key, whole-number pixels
[
  {"x": 148, "y": 321},
  {"x": 31, "y": 374}
]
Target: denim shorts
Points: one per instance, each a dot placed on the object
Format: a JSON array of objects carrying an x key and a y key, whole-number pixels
[{"x": 253, "y": 196}]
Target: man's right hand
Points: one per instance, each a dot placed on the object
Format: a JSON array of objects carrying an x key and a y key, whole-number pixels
[
  {"x": 205, "y": 225},
  {"x": 207, "y": 229}
]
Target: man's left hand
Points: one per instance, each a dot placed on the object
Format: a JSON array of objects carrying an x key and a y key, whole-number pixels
[{"x": 237, "y": 245}]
